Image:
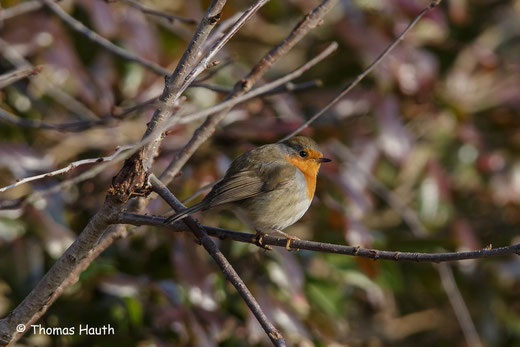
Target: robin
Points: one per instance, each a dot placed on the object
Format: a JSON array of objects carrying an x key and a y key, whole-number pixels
[{"x": 272, "y": 186}]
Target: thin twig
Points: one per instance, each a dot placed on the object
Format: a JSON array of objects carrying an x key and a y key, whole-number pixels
[
  {"x": 266, "y": 89},
  {"x": 106, "y": 44},
  {"x": 230, "y": 273},
  {"x": 459, "y": 306},
  {"x": 210, "y": 73},
  {"x": 310, "y": 21},
  {"x": 224, "y": 234},
  {"x": 262, "y": 90},
  {"x": 213, "y": 87},
  {"x": 152, "y": 12},
  {"x": 130, "y": 178},
  {"x": 362, "y": 75},
  {"x": 66, "y": 169},
  {"x": 75, "y": 126},
  {"x": 44, "y": 85},
  {"x": 24, "y": 7},
  {"x": 290, "y": 87},
  {"x": 279, "y": 85},
  {"x": 217, "y": 46},
  {"x": 200, "y": 191},
  {"x": 219, "y": 31},
  {"x": 107, "y": 120},
  {"x": 18, "y": 74},
  {"x": 407, "y": 214}
]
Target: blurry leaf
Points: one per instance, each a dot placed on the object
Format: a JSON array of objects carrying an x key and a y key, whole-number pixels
[
  {"x": 135, "y": 311},
  {"x": 326, "y": 296}
]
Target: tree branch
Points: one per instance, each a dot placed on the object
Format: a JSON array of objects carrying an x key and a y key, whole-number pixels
[
  {"x": 230, "y": 273},
  {"x": 66, "y": 169},
  {"x": 219, "y": 44},
  {"x": 459, "y": 306},
  {"x": 24, "y": 7},
  {"x": 38, "y": 299},
  {"x": 130, "y": 180},
  {"x": 362, "y": 75},
  {"x": 106, "y": 44},
  {"x": 225, "y": 234},
  {"x": 18, "y": 74},
  {"x": 173, "y": 82},
  {"x": 310, "y": 21},
  {"x": 114, "y": 232},
  {"x": 81, "y": 125},
  {"x": 268, "y": 88},
  {"x": 152, "y": 12},
  {"x": 44, "y": 85}
]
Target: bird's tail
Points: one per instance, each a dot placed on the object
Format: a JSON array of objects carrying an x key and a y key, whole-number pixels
[{"x": 184, "y": 213}]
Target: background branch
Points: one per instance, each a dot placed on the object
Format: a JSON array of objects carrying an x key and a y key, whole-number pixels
[
  {"x": 459, "y": 307},
  {"x": 24, "y": 7},
  {"x": 152, "y": 12},
  {"x": 365, "y": 72},
  {"x": 44, "y": 85},
  {"x": 106, "y": 44}
]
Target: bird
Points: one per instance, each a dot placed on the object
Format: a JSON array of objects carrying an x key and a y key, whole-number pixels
[{"x": 272, "y": 186}]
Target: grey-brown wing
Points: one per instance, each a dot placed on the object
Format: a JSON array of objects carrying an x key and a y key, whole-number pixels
[{"x": 248, "y": 183}]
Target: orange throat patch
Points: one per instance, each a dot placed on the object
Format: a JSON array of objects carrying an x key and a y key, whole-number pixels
[{"x": 309, "y": 167}]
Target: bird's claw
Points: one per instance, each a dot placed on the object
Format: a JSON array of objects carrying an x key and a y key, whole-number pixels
[
  {"x": 289, "y": 240},
  {"x": 259, "y": 241}
]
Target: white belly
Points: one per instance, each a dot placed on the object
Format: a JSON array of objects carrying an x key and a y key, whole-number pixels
[{"x": 279, "y": 209}]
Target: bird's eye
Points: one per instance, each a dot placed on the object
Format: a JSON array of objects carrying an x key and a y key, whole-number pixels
[{"x": 303, "y": 154}]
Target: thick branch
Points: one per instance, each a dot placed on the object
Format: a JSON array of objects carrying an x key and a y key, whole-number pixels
[
  {"x": 309, "y": 22},
  {"x": 40, "y": 296},
  {"x": 205, "y": 61},
  {"x": 173, "y": 83},
  {"x": 224, "y": 234},
  {"x": 131, "y": 180},
  {"x": 222, "y": 262},
  {"x": 114, "y": 232}
]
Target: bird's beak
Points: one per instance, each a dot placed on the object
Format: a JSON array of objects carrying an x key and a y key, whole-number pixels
[{"x": 323, "y": 160}]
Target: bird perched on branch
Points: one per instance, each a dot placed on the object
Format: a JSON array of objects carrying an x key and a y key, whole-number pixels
[{"x": 272, "y": 186}]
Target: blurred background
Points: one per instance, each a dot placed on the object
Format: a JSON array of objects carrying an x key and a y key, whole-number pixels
[{"x": 426, "y": 159}]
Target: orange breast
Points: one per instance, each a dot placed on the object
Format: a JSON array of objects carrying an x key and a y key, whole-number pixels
[{"x": 309, "y": 168}]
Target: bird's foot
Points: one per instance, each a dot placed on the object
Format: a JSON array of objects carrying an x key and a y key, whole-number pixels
[
  {"x": 289, "y": 238},
  {"x": 259, "y": 241},
  {"x": 288, "y": 244}
]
